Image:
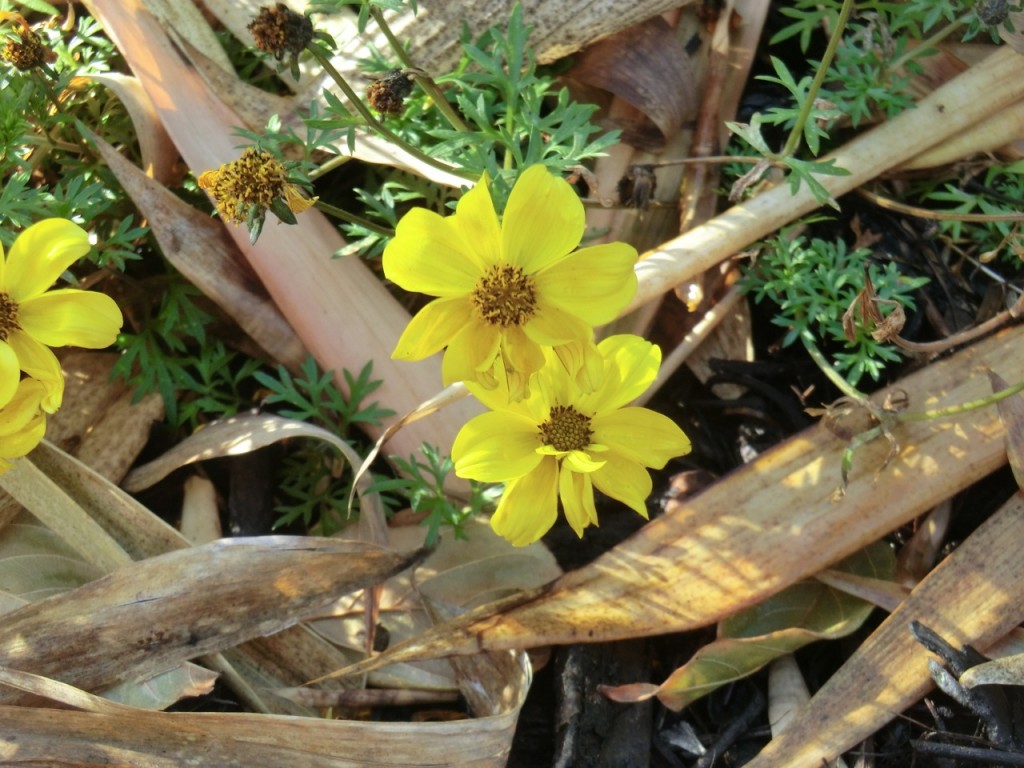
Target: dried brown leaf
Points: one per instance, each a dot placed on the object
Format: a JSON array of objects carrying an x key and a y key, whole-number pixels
[{"x": 151, "y": 615}]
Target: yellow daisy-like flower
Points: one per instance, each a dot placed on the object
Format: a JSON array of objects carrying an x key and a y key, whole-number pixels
[
  {"x": 33, "y": 319},
  {"x": 561, "y": 443},
  {"x": 22, "y": 422},
  {"x": 506, "y": 290}
]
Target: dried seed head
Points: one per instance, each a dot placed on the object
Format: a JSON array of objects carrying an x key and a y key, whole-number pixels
[
  {"x": 281, "y": 31},
  {"x": 388, "y": 94},
  {"x": 27, "y": 51}
]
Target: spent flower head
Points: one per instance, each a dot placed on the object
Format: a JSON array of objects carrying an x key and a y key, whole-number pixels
[
  {"x": 387, "y": 95},
  {"x": 23, "y": 48},
  {"x": 245, "y": 189},
  {"x": 33, "y": 319},
  {"x": 282, "y": 32},
  {"x": 562, "y": 443},
  {"x": 508, "y": 289}
]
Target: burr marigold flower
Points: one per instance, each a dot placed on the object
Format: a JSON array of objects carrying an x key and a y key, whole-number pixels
[
  {"x": 561, "y": 443},
  {"x": 22, "y": 422},
  {"x": 506, "y": 290},
  {"x": 33, "y": 319}
]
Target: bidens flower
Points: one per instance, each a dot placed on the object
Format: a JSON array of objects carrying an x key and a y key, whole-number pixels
[
  {"x": 33, "y": 319},
  {"x": 507, "y": 290},
  {"x": 561, "y": 443},
  {"x": 22, "y": 422}
]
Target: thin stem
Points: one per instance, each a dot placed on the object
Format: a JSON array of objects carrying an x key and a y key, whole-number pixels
[
  {"x": 931, "y": 42},
  {"x": 423, "y": 80},
  {"x": 352, "y": 218},
  {"x": 956, "y": 410},
  {"x": 375, "y": 124},
  {"x": 841, "y": 384},
  {"x": 819, "y": 77}
]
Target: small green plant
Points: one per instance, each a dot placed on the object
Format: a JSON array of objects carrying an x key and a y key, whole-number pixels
[
  {"x": 315, "y": 486},
  {"x": 421, "y": 485},
  {"x": 813, "y": 283}
]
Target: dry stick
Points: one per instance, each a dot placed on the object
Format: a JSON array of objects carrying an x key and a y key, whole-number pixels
[{"x": 982, "y": 90}]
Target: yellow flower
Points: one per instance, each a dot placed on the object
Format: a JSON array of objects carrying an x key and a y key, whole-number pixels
[
  {"x": 562, "y": 443},
  {"x": 22, "y": 422},
  {"x": 33, "y": 319},
  {"x": 507, "y": 290}
]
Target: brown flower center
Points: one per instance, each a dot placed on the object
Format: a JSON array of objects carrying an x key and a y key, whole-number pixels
[
  {"x": 505, "y": 296},
  {"x": 566, "y": 429},
  {"x": 8, "y": 316}
]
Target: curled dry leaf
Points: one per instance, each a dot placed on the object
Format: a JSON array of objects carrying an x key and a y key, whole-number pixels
[
  {"x": 459, "y": 574},
  {"x": 151, "y": 615},
  {"x": 243, "y": 434},
  {"x": 211, "y": 739},
  {"x": 645, "y": 66}
]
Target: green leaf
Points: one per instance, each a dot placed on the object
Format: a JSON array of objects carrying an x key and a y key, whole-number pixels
[{"x": 806, "y": 612}]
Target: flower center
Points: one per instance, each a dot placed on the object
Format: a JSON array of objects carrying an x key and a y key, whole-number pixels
[
  {"x": 8, "y": 316},
  {"x": 505, "y": 296},
  {"x": 566, "y": 429}
]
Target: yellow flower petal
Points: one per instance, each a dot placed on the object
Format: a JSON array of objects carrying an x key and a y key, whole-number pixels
[
  {"x": 630, "y": 365},
  {"x": 529, "y": 506},
  {"x": 471, "y": 353},
  {"x": 625, "y": 481},
  {"x": 478, "y": 223},
  {"x": 10, "y": 373},
  {"x": 23, "y": 442},
  {"x": 40, "y": 255},
  {"x": 543, "y": 221},
  {"x": 641, "y": 435},
  {"x": 71, "y": 317},
  {"x": 553, "y": 325},
  {"x": 594, "y": 284},
  {"x": 21, "y": 412},
  {"x": 577, "y": 495},
  {"x": 521, "y": 353},
  {"x": 496, "y": 447},
  {"x": 40, "y": 363},
  {"x": 432, "y": 328},
  {"x": 430, "y": 254}
]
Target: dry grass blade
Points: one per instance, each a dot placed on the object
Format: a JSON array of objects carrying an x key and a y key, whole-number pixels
[
  {"x": 151, "y": 615},
  {"x": 30, "y": 736},
  {"x": 975, "y": 596},
  {"x": 757, "y": 530}
]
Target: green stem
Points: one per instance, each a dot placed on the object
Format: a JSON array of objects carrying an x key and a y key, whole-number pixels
[
  {"x": 956, "y": 410},
  {"x": 819, "y": 77},
  {"x": 423, "y": 80},
  {"x": 924, "y": 45},
  {"x": 375, "y": 124},
  {"x": 841, "y": 384},
  {"x": 352, "y": 218}
]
